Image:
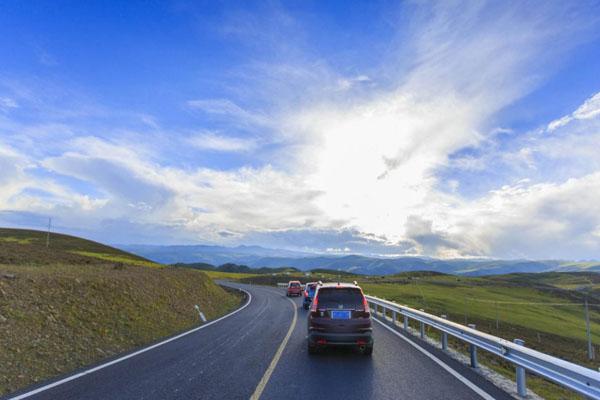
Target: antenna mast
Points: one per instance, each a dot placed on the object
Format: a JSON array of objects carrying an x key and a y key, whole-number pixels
[{"x": 48, "y": 235}]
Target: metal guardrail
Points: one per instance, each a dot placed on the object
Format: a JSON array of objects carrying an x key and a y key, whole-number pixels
[
  {"x": 569, "y": 375},
  {"x": 285, "y": 284}
]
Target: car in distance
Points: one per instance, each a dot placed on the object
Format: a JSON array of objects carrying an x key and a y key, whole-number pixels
[
  {"x": 294, "y": 288},
  {"x": 309, "y": 293},
  {"x": 340, "y": 316}
]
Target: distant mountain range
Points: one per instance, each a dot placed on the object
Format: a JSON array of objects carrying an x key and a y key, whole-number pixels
[
  {"x": 215, "y": 255},
  {"x": 256, "y": 257}
]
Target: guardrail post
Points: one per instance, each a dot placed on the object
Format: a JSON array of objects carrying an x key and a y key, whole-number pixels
[
  {"x": 444, "y": 337},
  {"x": 521, "y": 378},
  {"x": 473, "y": 350},
  {"x": 422, "y": 327},
  {"x": 405, "y": 322},
  {"x": 375, "y": 309},
  {"x": 394, "y": 317}
]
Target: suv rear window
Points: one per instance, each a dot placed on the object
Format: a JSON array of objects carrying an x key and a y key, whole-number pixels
[
  {"x": 294, "y": 284},
  {"x": 347, "y": 298}
]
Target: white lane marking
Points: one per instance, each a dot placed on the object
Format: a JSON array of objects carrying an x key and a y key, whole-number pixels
[
  {"x": 108, "y": 364},
  {"x": 265, "y": 379},
  {"x": 442, "y": 364}
]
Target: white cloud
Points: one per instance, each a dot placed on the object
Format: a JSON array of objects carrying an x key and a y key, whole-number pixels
[
  {"x": 588, "y": 110},
  {"x": 199, "y": 201},
  {"x": 348, "y": 83},
  {"x": 7, "y": 103},
  {"x": 22, "y": 190},
  {"x": 543, "y": 220},
  {"x": 338, "y": 250},
  {"x": 229, "y": 109},
  {"x": 216, "y": 142},
  {"x": 557, "y": 123},
  {"x": 12, "y": 178}
]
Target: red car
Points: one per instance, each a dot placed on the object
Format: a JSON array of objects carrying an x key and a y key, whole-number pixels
[{"x": 294, "y": 288}]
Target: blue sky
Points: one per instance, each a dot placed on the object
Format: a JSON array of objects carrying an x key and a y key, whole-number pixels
[{"x": 465, "y": 129}]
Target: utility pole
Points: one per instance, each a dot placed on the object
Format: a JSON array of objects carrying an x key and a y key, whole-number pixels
[
  {"x": 497, "y": 316},
  {"x": 48, "y": 235},
  {"x": 465, "y": 309},
  {"x": 587, "y": 328}
]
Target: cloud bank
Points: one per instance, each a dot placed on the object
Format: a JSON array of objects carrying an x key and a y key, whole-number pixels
[{"x": 374, "y": 160}]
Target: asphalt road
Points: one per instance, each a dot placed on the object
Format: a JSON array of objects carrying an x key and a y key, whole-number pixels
[{"x": 228, "y": 360}]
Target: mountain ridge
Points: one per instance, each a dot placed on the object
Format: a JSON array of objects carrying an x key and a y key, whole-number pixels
[{"x": 258, "y": 257}]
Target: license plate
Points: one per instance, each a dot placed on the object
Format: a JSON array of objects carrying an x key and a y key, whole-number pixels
[{"x": 340, "y": 314}]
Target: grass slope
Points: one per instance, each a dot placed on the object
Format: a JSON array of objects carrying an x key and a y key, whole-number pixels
[
  {"x": 65, "y": 307},
  {"x": 22, "y": 246}
]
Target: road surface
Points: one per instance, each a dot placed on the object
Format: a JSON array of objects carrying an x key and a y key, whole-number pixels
[{"x": 261, "y": 351}]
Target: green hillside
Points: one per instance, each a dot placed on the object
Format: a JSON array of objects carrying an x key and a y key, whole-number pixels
[
  {"x": 21, "y": 246},
  {"x": 77, "y": 302}
]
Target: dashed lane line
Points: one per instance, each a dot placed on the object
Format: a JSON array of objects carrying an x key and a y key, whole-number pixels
[{"x": 265, "y": 379}]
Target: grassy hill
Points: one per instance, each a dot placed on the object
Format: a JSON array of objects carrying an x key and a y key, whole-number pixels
[
  {"x": 22, "y": 246},
  {"x": 77, "y": 301}
]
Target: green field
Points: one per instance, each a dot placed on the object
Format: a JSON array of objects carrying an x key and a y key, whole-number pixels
[
  {"x": 116, "y": 258},
  {"x": 229, "y": 275},
  {"x": 76, "y": 302},
  {"x": 545, "y": 311}
]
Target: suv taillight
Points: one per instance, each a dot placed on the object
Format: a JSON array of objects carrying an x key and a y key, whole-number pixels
[
  {"x": 313, "y": 306},
  {"x": 366, "y": 308}
]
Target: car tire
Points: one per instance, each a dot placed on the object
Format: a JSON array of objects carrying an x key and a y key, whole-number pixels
[
  {"x": 312, "y": 349},
  {"x": 367, "y": 351}
]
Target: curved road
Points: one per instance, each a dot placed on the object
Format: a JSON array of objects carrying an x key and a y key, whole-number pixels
[{"x": 260, "y": 352}]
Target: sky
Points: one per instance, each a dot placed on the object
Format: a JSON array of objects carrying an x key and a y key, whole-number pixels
[{"x": 443, "y": 129}]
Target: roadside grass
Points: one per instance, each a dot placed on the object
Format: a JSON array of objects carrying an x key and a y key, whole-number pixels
[
  {"x": 118, "y": 259},
  {"x": 543, "y": 388}
]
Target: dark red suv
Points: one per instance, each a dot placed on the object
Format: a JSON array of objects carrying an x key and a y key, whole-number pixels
[
  {"x": 340, "y": 316},
  {"x": 294, "y": 288}
]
